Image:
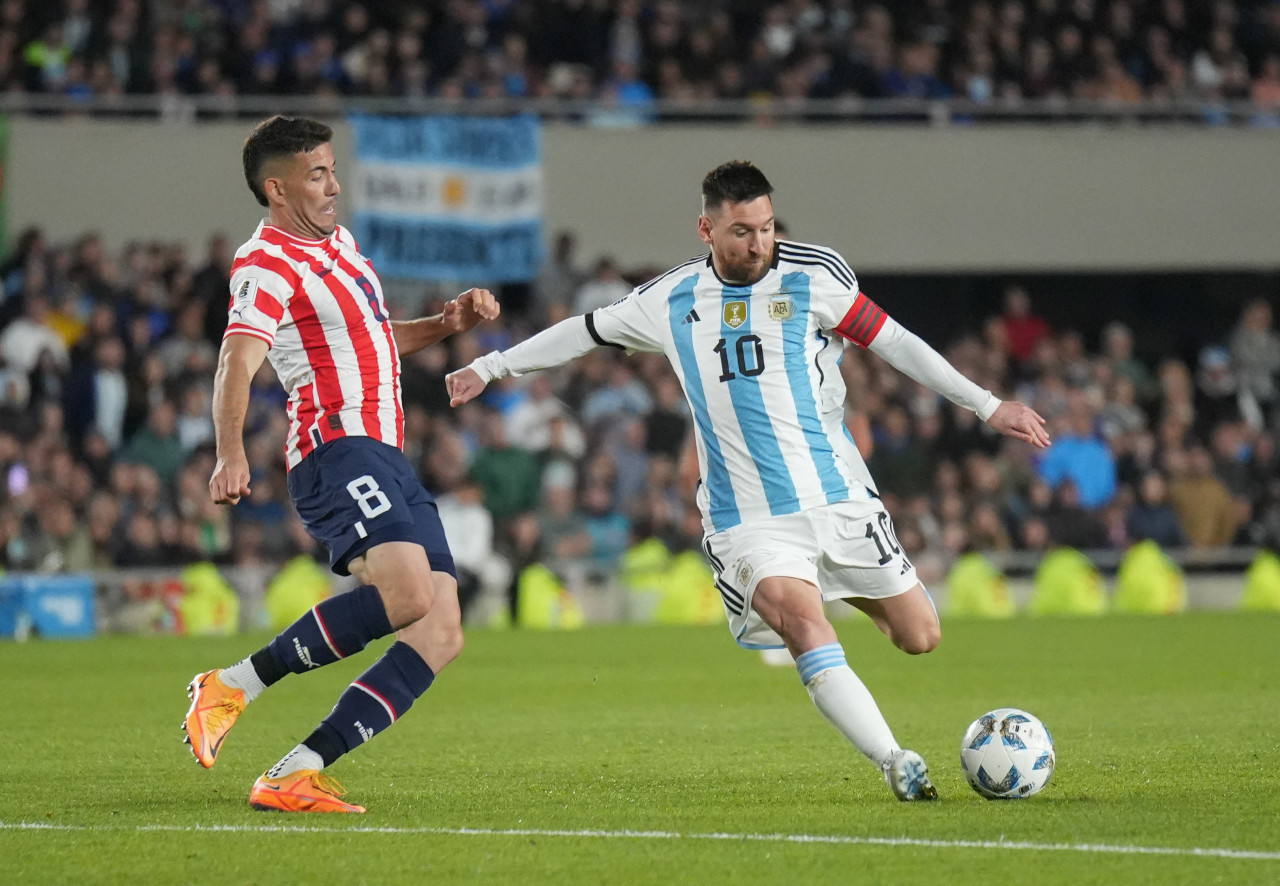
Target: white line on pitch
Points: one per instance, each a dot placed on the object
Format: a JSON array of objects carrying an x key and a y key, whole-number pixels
[{"x": 833, "y": 839}]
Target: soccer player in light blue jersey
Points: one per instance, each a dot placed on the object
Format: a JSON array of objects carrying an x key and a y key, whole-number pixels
[{"x": 754, "y": 329}]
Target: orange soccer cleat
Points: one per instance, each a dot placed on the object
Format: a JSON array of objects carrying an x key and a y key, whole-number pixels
[
  {"x": 214, "y": 709},
  {"x": 306, "y": 790}
]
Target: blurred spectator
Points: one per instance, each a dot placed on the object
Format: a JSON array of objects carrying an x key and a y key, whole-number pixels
[
  {"x": 508, "y": 474},
  {"x": 25, "y": 339},
  {"x": 558, "y": 279},
  {"x": 1151, "y": 517},
  {"x": 667, "y": 422},
  {"x": 607, "y": 528},
  {"x": 1077, "y": 455},
  {"x": 1217, "y": 397},
  {"x": 563, "y": 529},
  {"x": 469, "y": 529},
  {"x": 1203, "y": 504},
  {"x": 604, "y": 288},
  {"x": 156, "y": 444},
  {"x": 530, "y": 420},
  {"x": 898, "y": 461},
  {"x": 1069, "y": 523},
  {"x": 97, "y": 395},
  {"x": 62, "y": 545},
  {"x": 1117, "y": 351},
  {"x": 1023, "y": 330},
  {"x": 1255, "y": 354},
  {"x": 623, "y": 395}
]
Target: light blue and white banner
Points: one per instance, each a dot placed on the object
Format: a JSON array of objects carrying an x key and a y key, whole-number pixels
[{"x": 449, "y": 198}]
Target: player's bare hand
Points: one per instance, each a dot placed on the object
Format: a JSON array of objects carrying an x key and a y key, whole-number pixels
[
  {"x": 1020, "y": 421},
  {"x": 230, "y": 480},
  {"x": 469, "y": 308},
  {"x": 463, "y": 385}
]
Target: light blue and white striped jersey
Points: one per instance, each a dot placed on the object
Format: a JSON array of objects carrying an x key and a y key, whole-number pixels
[{"x": 760, "y": 369}]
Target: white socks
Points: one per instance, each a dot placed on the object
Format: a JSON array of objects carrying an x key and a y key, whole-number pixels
[
  {"x": 301, "y": 757},
  {"x": 244, "y": 677},
  {"x": 845, "y": 701}
]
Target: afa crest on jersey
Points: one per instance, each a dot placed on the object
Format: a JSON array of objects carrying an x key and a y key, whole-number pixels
[
  {"x": 781, "y": 307},
  {"x": 735, "y": 313}
]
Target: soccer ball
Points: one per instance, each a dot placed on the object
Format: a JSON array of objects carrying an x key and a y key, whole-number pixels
[{"x": 1007, "y": 754}]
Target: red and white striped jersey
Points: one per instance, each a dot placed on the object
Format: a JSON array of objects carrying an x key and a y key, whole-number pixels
[{"x": 319, "y": 305}]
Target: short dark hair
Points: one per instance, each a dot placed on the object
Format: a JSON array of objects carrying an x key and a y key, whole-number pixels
[
  {"x": 735, "y": 182},
  {"x": 279, "y": 136}
]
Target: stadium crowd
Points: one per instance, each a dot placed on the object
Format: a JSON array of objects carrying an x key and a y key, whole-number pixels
[
  {"x": 106, "y": 436},
  {"x": 629, "y": 52}
]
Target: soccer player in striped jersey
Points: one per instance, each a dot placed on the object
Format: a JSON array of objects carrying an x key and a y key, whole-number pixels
[
  {"x": 754, "y": 330},
  {"x": 303, "y": 297}
]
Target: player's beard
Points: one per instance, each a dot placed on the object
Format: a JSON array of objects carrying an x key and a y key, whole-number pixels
[{"x": 745, "y": 273}]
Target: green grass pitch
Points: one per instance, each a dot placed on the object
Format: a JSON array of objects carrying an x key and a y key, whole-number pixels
[{"x": 662, "y": 755}]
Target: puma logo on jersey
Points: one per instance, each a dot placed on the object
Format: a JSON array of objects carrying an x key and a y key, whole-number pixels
[{"x": 304, "y": 653}]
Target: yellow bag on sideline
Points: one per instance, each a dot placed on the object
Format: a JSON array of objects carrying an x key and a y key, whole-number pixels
[
  {"x": 1262, "y": 583},
  {"x": 543, "y": 603},
  {"x": 1067, "y": 583},
  {"x": 299, "y": 585},
  {"x": 209, "y": 606},
  {"x": 1149, "y": 582},
  {"x": 975, "y": 587}
]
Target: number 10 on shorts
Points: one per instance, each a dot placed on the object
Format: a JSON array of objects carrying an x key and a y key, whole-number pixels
[{"x": 372, "y": 500}]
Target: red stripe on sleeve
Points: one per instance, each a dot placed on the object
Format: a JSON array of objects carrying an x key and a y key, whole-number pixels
[
  {"x": 269, "y": 305},
  {"x": 863, "y": 322},
  {"x": 851, "y": 319},
  {"x": 873, "y": 328},
  {"x": 260, "y": 259},
  {"x": 244, "y": 329}
]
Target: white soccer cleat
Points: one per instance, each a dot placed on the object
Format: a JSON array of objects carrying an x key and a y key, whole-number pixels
[{"x": 908, "y": 776}]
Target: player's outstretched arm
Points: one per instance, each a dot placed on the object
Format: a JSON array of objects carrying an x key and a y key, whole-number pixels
[
  {"x": 551, "y": 347},
  {"x": 1020, "y": 421},
  {"x": 459, "y": 315},
  {"x": 238, "y": 361}
]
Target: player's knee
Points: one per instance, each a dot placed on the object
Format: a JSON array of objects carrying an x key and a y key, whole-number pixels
[
  {"x": 919, "y": 640},
  {"x": 807, "y": 633},
  {"x": 407, "y": 600},
  {"x": 449, "y": 644}
]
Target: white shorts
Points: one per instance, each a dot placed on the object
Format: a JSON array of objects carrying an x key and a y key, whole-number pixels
[{"x": 846, "y": 549}]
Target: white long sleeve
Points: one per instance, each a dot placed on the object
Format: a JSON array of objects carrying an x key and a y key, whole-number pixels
[
  {"x": 909, "y": 354},
  {"x": 553, "y": 346}
]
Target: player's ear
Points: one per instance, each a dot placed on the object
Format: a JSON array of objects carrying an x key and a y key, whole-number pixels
[
  {"x": 274, "y": 189},
  {"x": 704, "y": 229}
]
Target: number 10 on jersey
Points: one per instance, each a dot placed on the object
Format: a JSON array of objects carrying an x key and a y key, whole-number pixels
[{"x": 749, "y": 364}]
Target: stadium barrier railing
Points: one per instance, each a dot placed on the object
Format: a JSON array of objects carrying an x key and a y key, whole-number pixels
[
  {"x": 164, "y": 600},
  {"x": 930, "y": 112}
]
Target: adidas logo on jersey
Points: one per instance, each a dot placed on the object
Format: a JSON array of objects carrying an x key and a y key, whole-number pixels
[{"x": 691, "y": 317}]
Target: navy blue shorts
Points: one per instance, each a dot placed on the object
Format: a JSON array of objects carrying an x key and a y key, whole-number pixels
[{"x": 355, "y": 492}]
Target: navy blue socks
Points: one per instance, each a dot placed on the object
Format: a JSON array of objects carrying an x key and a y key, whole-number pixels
[
  {"x": 373, "y": 702},
  {"x": 330, "y": 630}
]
